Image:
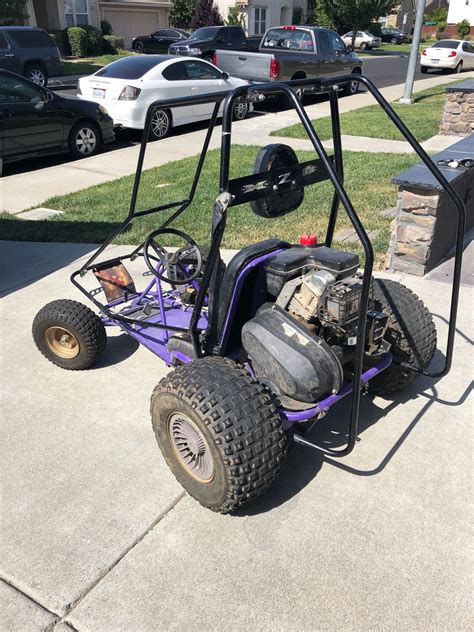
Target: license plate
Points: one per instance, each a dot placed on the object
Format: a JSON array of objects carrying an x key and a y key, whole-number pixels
[
  {"x": 435, "y": 61},
  {"x": 98, "y": 93}
]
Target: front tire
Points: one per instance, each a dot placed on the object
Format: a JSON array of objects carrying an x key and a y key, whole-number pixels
[
  {"x": 411, "y": 333},
  {"x": 36, "y": 72},
  {"x": 69, "y": 334},
  {"x": 139, "y": 46},
  {"x": 160, "y": 126},
  {"x": 84, "y": 140},
  {"x": 219, "y": 432},
  {"x": 352, "y": 87},
  {"x": 241, "y": 111}
]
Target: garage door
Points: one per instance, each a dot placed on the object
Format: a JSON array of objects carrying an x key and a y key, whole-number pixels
[{"x": 130, "y": 23}]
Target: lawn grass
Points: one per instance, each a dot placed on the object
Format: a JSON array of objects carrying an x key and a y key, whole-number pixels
[
  {"x": 90, "y": 215},
  {"x": 422, "y": 118},
  {"x": 89, "y": 65}
]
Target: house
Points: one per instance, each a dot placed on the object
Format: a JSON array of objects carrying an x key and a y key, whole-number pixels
[
  {"x": 259, "y": 15},
  {"x": 458, "y": 11},
  {"x": 128, "y": 18}
]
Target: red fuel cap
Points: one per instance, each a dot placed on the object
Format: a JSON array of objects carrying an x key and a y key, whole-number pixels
[{"x": 308, "y": 240}]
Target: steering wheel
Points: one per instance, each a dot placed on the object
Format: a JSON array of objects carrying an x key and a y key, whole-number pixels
[{"x": 174, "y": 263}]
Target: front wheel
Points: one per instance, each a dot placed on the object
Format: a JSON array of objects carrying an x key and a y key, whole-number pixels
[
  {"x": 411, "y": 333},
  {"x": 219, "y": 431},
  {"x": 139, "y": 46},
  {"x": 84, "y": 140},
  {"x": 37, "y": 74},
  {"x": 69, "y": 334},
  {"x": 241, "y": 111},
  {"x": 160, "y": 124},
  {"x": 351, "y": 87}
]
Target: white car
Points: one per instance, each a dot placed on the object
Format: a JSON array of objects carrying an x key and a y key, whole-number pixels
[
  {"x": 128, "y": 86},
  {"x": 451, "y": 54},
  {"x": 364, "y": 40}
]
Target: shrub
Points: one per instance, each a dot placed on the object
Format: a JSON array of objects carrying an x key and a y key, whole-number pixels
[
  {"x": 464, "y": 28},
  {"x": 113, "y": 44},
  {"x": 77, "y": 37},
  {"x": 441, "y": 26},
  {"x": 95, "y": 40},
  {"x": 440, "y": 35},
  {"x": 65, "y": 40},
  {"x": 105, "y": 27},
  {"x": 58, "y": 37},
  {"x": 375, "y": 28}
]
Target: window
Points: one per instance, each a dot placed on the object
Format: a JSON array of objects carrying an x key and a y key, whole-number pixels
[
  {"x": 446, "y": 44},
  {"x": 198, "y": 70},
  {"x": 322, "y": 39},
  {"x": 75, "y": 12},
  {"x": 291, "y": 38},
  {"x": 32, "y": 38},
  {"x": 205, "y": 33},
  {"x": 260, "y": 20},
  {"x": 131, "y": 67},
  {"x": 337, "y": 44},
  {"x": 14, "y": 90},
  {"x": 175, "y": 72},
  {"x": 3, "y": 42}
]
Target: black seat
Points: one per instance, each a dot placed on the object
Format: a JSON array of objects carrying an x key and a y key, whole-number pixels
[{"x": 233, "y": 270}]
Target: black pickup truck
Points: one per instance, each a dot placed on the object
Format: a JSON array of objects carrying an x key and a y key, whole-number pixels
[{"x": 206, "y": 41}]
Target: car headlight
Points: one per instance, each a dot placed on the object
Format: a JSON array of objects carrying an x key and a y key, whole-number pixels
[
  {"x": 194, "y": 51},
  {"x": 102, "y": 109}
]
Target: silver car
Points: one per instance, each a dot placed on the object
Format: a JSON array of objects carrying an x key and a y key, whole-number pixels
[{"x": 364, "y": 40}]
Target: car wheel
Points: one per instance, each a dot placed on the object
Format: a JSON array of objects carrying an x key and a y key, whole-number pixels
[
  {"x": 424, "y": 70},
  {"x": 160, "y": 124},
  {"x": 394, "y": 40},
  {"x": 139, "y": 46},
  {"x": 363, "y": 45},
  {"x": 352, "y": 87},
  {"x": 37, "y": 74},
  {"x": 240, "y": 111},
  {"x": 84, "y": 140},
  {"x": 458, "y": 68},
  {"x": 209, "y": 57}
]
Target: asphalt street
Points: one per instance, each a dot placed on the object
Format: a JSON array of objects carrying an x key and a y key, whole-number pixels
[{"x": 383, "y": 71}]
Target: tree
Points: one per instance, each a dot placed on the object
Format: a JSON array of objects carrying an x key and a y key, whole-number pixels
[
  {"x": 13, "y": 11},
  {"x": 181, "y": 13},
  {"x": 206, "y": 14},
  {"x": 356, "y": 14},
  {"x": 235, "y": 17}
]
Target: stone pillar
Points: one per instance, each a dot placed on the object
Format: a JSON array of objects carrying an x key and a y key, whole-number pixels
[{"x": 458, "y": 113}]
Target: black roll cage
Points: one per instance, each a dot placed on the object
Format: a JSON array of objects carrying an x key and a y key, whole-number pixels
[{"x": 335, "y": 173}]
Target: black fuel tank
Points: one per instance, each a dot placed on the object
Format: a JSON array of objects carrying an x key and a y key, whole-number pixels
[{"x": 289, "y": 358}]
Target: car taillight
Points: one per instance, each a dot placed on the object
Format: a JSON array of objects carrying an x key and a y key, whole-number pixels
[
  {"x": 424, "y": 52},
  {"x": 129, "y": 93},
  {"x": 214, "y": 59},
  {"x": 453, "y": 53},
  {"x": 289, "y": 28},
  {"x": 274, "y": 69}
]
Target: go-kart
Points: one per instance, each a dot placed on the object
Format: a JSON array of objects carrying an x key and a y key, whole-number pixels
[{"x": 269, "y": 343}]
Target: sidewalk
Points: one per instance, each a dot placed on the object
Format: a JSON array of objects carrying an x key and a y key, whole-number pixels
[
  {"x": 98, "y": 535},
  {"x": 23, "y": 191}
]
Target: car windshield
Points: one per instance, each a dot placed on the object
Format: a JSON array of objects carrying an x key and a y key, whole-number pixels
[
  {"x": 446, "y": 44},
  {"x": 204, "y": 33},
  {"x": 131, "y": 67}
]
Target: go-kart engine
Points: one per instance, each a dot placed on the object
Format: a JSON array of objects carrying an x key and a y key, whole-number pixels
[{"x": 321, "y": 297}]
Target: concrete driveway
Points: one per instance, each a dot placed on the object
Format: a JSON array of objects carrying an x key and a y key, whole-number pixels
[{"x": 97, "y": 535}]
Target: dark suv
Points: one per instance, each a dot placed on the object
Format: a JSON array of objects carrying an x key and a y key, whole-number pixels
[{"x": 29, "y": 52}]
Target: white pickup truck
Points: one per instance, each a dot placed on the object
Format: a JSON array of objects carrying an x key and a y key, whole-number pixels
[{"x": 293, "y": 52}]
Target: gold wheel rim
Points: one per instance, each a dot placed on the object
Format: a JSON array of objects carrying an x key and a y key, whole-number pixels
[{"x": 62, "y": 342}]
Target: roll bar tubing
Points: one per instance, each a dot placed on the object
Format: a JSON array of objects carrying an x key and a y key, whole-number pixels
[{"x": 335, "y": 174}]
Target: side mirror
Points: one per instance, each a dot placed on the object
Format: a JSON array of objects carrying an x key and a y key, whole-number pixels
[
  {"x": 225, "y": 75},
  {"x": 349, "y": 49},
  {"x": 220, "y": 39}
]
